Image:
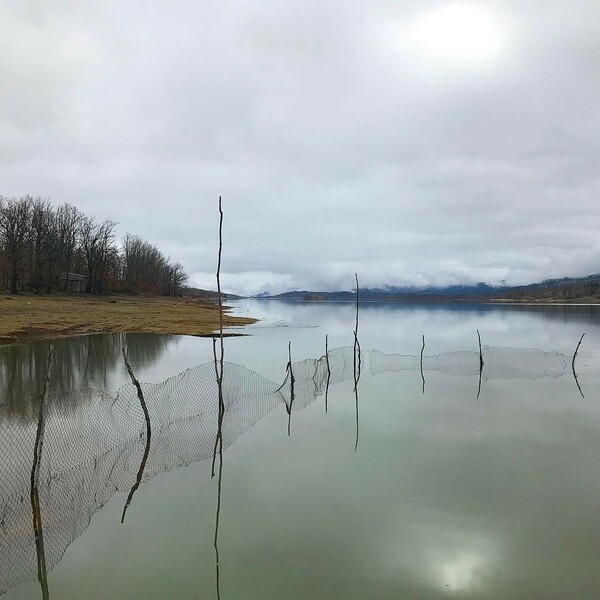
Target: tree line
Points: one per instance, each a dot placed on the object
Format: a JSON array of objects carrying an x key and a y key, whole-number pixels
[{"x": 42, "y": 246}]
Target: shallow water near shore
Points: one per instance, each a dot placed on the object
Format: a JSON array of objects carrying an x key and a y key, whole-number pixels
[{"x": 427, "y": 477}]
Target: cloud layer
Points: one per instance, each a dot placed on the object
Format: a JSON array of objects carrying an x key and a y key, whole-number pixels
[{"x": 338, "y": 140}]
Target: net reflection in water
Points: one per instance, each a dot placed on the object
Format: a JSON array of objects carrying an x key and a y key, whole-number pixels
[{"x": 94, "y": 444}]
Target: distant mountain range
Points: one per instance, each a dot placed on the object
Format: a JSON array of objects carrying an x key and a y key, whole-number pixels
[{"x": 566, "y": 289}]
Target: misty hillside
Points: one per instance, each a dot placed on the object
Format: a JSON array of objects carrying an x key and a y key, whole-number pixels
[{"x": 566, "y": 289}]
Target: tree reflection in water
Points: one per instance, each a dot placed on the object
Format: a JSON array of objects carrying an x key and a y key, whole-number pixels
[
  {"x": 78, "y": 362},
  {"x": 91, "y": 437}
]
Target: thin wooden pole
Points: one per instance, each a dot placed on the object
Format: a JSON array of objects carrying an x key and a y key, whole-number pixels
[
  {"x": 357, "y": 360},
  {"x": 573, "y": 364},
  {"x": 328, "y": 371},
  {"x": 292, "y": 383},
  {"x": 423, "y": 376},
  {"x": 142, "y": 466},
  {"x": 38, "y": 530}
]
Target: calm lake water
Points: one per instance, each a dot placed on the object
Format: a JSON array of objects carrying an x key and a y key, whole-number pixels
[{"x": 450, "y": 482}]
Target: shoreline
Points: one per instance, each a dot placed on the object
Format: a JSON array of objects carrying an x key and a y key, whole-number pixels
[
  {"x": 584, "y": 301},
  {"x": 28, "y": 317}
]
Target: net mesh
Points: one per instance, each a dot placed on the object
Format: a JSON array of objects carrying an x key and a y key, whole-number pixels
[
  {"x": 94, "y": 443},
  {"x": 498, "y": 363}
]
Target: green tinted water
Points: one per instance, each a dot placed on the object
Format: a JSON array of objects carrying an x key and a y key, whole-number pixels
[{"x": 448, "y": 495}]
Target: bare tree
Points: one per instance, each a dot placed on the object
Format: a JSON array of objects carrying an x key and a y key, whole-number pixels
[
  {"x": 68, "y": 222},
  {"x": 40, "y": 242},
  {"x": 97, "y": 242},
  {"x": 15, "y": 215},
  {"x": 39, "y": 238},
  {"x": 143, "y": 265},
  {"x": 174, "y": 278}
]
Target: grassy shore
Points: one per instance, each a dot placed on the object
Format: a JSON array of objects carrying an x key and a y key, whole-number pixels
[{"x": 27, "y": 317}]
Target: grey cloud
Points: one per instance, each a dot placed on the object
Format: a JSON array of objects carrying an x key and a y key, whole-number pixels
[{"x": 336, "y": 147}]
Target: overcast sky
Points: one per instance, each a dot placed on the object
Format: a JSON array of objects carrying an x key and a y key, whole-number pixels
[{"x": 416, "y": 142}]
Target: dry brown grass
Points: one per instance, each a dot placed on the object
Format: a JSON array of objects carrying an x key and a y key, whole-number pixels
[{"x": 32, "y": 317}]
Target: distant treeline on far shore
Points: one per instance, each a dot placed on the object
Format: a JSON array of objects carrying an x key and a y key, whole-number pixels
[{"x": 45, "y": 248}]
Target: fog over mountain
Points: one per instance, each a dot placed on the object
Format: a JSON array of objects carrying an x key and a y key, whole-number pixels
[{"x": 417, "y": 143}]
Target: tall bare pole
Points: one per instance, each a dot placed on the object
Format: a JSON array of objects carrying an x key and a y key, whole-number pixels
[
  {"x": 219, "y": 360},
  {"x": 38, "y": 529},
  {"x": 357, "y": 360},
  {"x": 219, "y": 289},
  {"x": 357, "y": 357},
  {"x": 219, "y": 438}
]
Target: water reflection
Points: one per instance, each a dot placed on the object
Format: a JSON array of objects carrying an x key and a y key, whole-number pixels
[
  {"x": 140, "y": 473},
  {"x": 38, "y": 528},
  {"x": 573, "y": 365},
  {"x": 219, "y": 373},
  {"x": 487, "y": 364},
  {"x": 581, "y": 314},
  {"x": 91, "y": 450},
  {"x": 439, "y": 486},
  {"x": 289, "y": 369},
  {"x": 78, "y": 362}
]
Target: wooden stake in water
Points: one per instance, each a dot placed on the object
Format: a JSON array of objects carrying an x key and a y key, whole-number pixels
[
  {"x": 328, "y": 371},
  {"x": 423, "y": 376},
  {"x": 292, "y": 384},
  {"x": 140, "y": 472},
  {"x": 357, "y": 360},
  {"x": 573, "y": 364},
  {"x": 219, "y": 438},
  {"x": 480, "y": 364},
  {"x": 38, "y": 530}
]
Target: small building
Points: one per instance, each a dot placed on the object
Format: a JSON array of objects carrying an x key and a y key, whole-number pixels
[{"x": 73, "y": 282}]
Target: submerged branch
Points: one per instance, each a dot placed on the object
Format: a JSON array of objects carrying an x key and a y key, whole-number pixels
[
  {"x": 219, "y": 439},
  {"x": 573, "y": 364},
  {"x": 218, "y": 447},
  {"x": 290, "y": 370},
  {"x": 422, "y": 350},
  {"x": 480, "y": 364},
  {"x": 217, "y": 519},
  {"x": 142, "y": 400},
  {"x": 221, "y": 411},
  {"x": 328, "y": 371},
  {"x": 39, "y": 436},
  {"x": 577, "y": 350},
  {"x": 38, "y": 530}
]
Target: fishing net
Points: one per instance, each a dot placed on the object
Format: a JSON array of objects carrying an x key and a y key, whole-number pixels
[
  {"x": 498, "y": 363},
  {"x": 94, "y": 444}
]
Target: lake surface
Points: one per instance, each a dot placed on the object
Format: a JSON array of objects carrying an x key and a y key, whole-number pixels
[{"x": 447, "y": 481}]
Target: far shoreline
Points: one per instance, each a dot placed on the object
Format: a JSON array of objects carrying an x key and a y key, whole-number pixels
[{"x": 591, "y": 301}]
